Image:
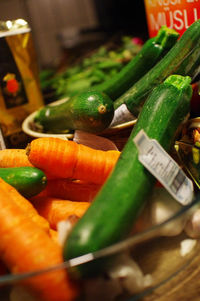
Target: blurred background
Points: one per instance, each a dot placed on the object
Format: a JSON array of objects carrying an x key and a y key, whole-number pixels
[{"x": 62, "y": 28}]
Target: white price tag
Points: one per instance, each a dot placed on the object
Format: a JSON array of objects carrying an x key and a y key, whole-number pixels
[
  {"x": 164, "y": 168},
  {"x": 121, "y": 115}
]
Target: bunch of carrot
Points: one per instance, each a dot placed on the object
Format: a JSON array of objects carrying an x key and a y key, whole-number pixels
[
  {"x": 75, "y": 175},
  {"x": 34, "y": 249}
]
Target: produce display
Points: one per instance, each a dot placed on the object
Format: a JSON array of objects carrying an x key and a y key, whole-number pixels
[
  {"x": 76, "y": 113},
  {"x": 75, "y": 214}
]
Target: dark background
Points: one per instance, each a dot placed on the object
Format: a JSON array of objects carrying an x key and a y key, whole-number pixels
[{"x": 125, "y": 16}]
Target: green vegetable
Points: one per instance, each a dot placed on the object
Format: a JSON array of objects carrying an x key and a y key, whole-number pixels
[
  {"x": 87, "y": 111},
  {"x": 109, "y": 64},
  {"x": 111, "y": 216},
  {"x": 152, "y": 51},
  {"x": 29, "y": 181},
  {"x": 183, "y": 59},
  {"x": 92, "y": 70}
]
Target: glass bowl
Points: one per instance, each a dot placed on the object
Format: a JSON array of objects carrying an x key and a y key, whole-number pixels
[
  {"x": 151, "y": 256},
  {"x": 132, "y": 268}
]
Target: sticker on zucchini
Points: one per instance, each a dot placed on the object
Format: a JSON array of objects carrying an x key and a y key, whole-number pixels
[
  {"x": 122, "y": 115},
  {"x": 164, "y": 168}
]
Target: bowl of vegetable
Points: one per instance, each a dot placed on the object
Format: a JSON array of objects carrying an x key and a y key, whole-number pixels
[
  {"x": 113, "y": 225},
  {"x": 135, "y": 267},
  {"x": 106, "y": 226},
  {"x": 64, "y": 117}
]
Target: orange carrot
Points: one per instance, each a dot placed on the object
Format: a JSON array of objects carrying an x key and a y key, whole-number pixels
[
  {"x": 68, "y": 159},
  {"x": 25, "y": 247},
  {"x": 54, "y": 235},
  {"x": 74, "y": 190},
  {"x": 25, "y": 205},
  {"x": 72, "y": 219},
  {"x": 56, "y": 210},
  {"x": 14, "y": 158}
]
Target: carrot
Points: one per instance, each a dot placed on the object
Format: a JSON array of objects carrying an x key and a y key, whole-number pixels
[
  {"x": 68, "y": 159},
  {"x": 25, "y": 205},
  {"x": 72, "y": 219},
  {"x": 56, "y": 210},
  {"x": 74, "y": 190},
  {"x": 14, "y": 158},
  {"x": 25, "y": 247},
  {"x": 54, "y": 235}
]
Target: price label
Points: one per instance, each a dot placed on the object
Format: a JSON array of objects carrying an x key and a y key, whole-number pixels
[
  {"x": 121, "y": 115},
  {"x": 164, "y": 168}
]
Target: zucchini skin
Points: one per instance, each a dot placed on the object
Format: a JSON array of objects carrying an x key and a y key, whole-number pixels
[
  {"x": 183, "y": 58},
  {"x": 112, "y": 214},
  {"x": 149, "y": 55},
  {"x": 90, "y": 111},
  {"x": 28, "y": 181}
]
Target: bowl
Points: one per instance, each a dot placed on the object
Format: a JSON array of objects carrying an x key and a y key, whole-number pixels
[
  {"x": 118, "y": 134},
  {"x": 28, "y": 121},
  {"x": 135, "y": 266},
  {"x": 152, "y": 255}
]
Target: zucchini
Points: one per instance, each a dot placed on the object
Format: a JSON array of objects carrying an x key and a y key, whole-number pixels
[
  {"x": 111, "y": 216},
  {"x": 89, "y": 111},
  {"x": 183, "y": 58},
  {"x": 28, "y": 181},
  {"x": 148, "y": 56}
]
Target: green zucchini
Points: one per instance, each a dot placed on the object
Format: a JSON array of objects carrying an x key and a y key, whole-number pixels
[
  {"x": 111, "y": 216},
  {"x": 181, "y": 59},
  {"x": 90, "y": 111},
  {"x": 29, "y": 181},
  {"x": 149, "y": 55}
]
